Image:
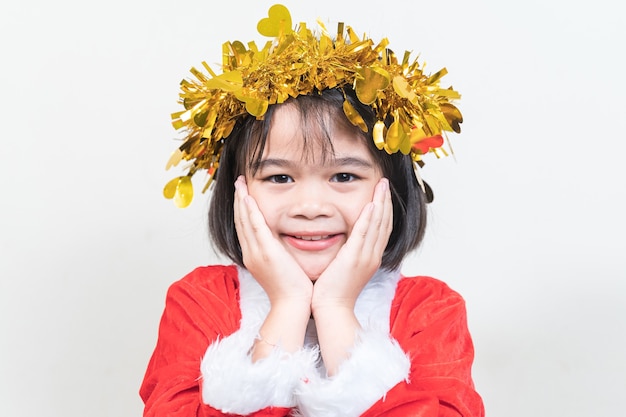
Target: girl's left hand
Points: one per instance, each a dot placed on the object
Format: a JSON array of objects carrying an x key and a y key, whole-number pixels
[
  {"x": 336, "y": 290},
  {"x": 360, "y": 257}
]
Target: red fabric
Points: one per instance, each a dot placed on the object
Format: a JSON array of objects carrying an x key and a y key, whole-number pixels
[{"x": 427, "y": 319}]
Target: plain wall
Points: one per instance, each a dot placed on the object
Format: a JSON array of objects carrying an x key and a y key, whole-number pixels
[{"x": 527, "y": 223}]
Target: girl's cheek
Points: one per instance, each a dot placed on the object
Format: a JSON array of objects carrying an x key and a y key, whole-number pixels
[{"x": 266, "y": 205}]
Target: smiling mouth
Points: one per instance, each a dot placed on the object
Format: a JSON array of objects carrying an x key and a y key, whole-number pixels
[
  {"x": 312, "y": 238},
  {"x": 314, "y": 243}
]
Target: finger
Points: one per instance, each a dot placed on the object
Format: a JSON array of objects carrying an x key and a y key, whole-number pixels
[
  {"x": 254, "y": 226},
  {"x": 240, "y": 214},
  {"x": 366, "y": 229},
  {"x": 257, "y": 223},
  {"x": 388, "y": 213},
  {"x": 355, "y": 243},
  {"x": 376, "y": 224},
  {"x": 386, "y": 225}
]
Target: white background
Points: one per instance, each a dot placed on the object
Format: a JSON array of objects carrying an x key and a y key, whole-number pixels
[{"x": 528, "y": 222}]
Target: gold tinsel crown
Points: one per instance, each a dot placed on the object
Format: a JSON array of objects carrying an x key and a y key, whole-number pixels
[{"x": 298, "y": 62}]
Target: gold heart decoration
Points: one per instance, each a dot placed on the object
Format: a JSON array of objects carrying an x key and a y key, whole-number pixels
[
  {"x": 353, "y": 115},
  {"x": 277, "y": 23},
  {"x": 180, "y": 189},
  {"x": 397, "y": 139},
  {"x": 369, "y": 82}
]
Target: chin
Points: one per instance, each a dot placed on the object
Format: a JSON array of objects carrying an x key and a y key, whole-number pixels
[
  {"x": 314, "y": 263},
  {"x": 313, "y": 275},
  {"x": 314, "y": 271}
]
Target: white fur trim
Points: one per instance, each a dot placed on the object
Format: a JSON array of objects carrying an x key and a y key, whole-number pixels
[
  {"x": 363, "y": 378},
  {"x": 373, "y": 306},
  {"x": 231, "y": 382},
  {"x": 376, "y": 364},
  {"x": 234, "y": 384}
]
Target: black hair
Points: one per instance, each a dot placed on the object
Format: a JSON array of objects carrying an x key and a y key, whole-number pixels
[{"x": 243, "y": 149}]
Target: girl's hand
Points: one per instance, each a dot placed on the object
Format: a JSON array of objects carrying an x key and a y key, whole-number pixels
[
  {"x": 360, "y": 257},
  {"x": 336, "y": 290},
  {"x": 287, "y": 286},
  {"x": 263, "y": 255}
]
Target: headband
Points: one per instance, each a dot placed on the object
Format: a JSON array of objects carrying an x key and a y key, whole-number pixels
[{"x": 412, "y": 111}]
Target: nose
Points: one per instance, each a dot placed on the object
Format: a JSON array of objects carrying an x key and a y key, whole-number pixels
[{"x": 310, "y": 200}]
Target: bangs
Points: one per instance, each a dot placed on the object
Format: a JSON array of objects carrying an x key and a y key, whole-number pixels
[{"x": 318, "y": 118}]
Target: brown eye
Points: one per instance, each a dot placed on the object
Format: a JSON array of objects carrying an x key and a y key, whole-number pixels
[
  {"x": 279, "y": 179},
  {"x": 343, "y": 177}
]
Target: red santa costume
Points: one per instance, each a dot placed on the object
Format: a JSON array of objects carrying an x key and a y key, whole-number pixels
[
  {"x": 413, "y": 356},
  {"x": 413, "y": 353}
]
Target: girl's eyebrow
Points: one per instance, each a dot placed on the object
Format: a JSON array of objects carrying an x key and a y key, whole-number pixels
[
  {"x": 272, "y": 162},
  {"x": 333, "y": 162},
  {"x": 351, "y": 161}
]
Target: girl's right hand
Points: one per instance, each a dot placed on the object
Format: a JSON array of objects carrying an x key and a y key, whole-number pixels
[{"x": 263, "y": 255}]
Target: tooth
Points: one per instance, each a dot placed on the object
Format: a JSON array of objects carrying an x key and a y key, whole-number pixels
[{"x": 310, "y": 237}]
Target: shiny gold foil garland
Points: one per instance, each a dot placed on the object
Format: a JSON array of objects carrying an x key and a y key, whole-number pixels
[{"x": 298, "y": 62}]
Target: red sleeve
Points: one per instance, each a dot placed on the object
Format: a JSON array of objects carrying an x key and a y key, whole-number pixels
[
  {"x": 429, "y": 321},
  {"x": 198, "y": 309}
]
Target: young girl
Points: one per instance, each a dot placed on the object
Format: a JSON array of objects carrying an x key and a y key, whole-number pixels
[{"x": 316, "y": 201}]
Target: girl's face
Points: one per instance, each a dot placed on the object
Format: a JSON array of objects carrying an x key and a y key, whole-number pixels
[{"x": 310, "y": 201}]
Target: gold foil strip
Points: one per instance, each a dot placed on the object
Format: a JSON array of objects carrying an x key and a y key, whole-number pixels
[{"x": 297, "y": 62}]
